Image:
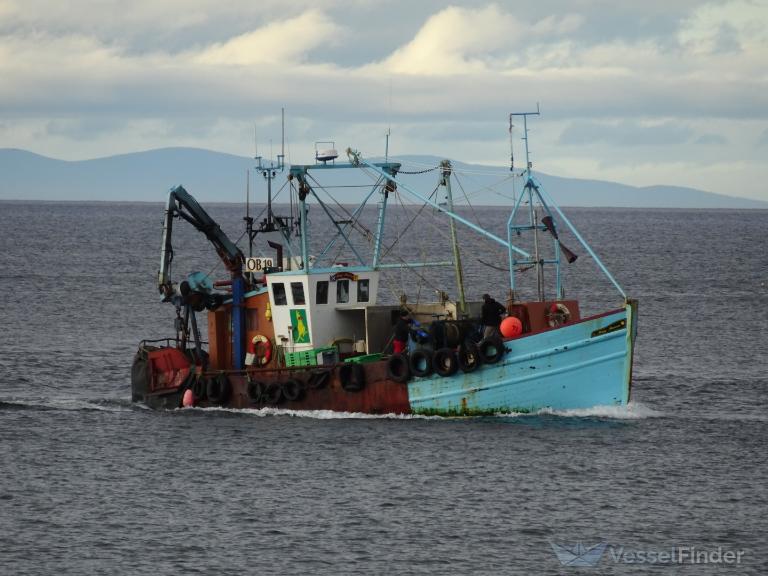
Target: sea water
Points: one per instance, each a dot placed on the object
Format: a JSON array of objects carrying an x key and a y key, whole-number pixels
[{"x": 91, "y": 484}]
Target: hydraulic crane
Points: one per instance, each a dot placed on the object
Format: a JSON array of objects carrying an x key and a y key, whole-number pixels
[{"x": 196, "y": 292}]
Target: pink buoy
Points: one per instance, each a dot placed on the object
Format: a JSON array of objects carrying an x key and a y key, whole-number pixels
[
  {"x": 188, "y": 400},
  {"x": 511, "y": 327}
]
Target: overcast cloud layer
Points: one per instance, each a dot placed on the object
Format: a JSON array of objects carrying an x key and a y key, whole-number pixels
[{"x": 652, "y": 92}]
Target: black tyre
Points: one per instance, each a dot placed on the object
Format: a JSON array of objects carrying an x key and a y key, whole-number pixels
[
  {"x": 445, "y": 362},
  {"x": 421, "y": 362},
  {"x": 319, "y": 379},
  {"x": 398, "y": 368},
  {"x": 292, "y": 390},
  {"x": 452, "y": 334},
  {"x": 219, "y": 389},
  {"x": 256, "y": 391},
  {"x": 352, "y": 377},
  {"x": 139, "y": 378},
  {"x": 273, "y": 393},
  {"x": 198, "y": 388},
  {"x": 491, "y": 349},
  {"x": 437, "y": 331},
  {"x": 469, "y": 357}
]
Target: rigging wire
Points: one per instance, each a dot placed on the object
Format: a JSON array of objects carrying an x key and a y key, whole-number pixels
[
  {"x": 402, "y": 232},
  {"x": 355, "y": 221}
]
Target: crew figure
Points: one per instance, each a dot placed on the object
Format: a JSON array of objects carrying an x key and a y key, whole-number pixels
[
  {"x": 491, "y": 316},
  {"x": 402, "y": 329}
]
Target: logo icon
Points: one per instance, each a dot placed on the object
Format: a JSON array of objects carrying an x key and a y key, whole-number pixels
[
  {"x": 299, "y": 323},
  {"x": 578, "y": 554}
]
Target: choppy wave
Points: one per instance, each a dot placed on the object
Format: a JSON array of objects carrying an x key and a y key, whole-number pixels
[
  {"x": 632, "y": 411},
  {"x": 68, "y": 404}
]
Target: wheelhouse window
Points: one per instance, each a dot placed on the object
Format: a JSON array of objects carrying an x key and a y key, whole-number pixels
[
  {"x": 363, "y": 290},
  {"x": 278, "y": 294},
  {"x": 321, "y": 292},
  {"x": 297, "y": 291},
  {"x": 342, "y": 291}
]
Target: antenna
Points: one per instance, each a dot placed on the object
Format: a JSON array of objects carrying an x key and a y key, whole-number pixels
[
  {"x": 525, "y": 115},
  {"x": 389, "y": 123},
  {"x": 269, "y": 170},
  {"x": 281, "y": 158}
]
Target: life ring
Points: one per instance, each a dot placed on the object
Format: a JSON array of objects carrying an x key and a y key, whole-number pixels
[
  {"x": 259, "y": 351},
  {"x": 292, "y": 390},
  {"x": 444, "y": 362},
  {"x": 219, "y": 389},
  {"x": 352, "y": 377},
  {"x": 557, "y": 315},
  {"x": 398, "y": 368},
  {"x": 469, "y": 357},
  {"x": 421, "y": 362},
  {"x": 491, "y": 349}
]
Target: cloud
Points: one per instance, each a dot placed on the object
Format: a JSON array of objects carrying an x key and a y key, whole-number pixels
[
  {"x": 725, "y": 27},
  {"x": 762, "y": 141},
  {"x": 83, "y": 128},
  {"x": 625, "y": 133},
  {"x": 283, "y": 42},
  {"x": 712, "y": 140},
  {"x": 453, "y": 41}
]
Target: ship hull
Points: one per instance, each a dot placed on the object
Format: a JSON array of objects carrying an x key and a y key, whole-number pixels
[{"x": 579, "y": 365}]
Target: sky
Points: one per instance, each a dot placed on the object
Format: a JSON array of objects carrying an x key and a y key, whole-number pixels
[{"x": 654, "y": 92}]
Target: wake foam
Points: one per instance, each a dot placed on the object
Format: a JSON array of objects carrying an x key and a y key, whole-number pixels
[
  {"x": 632, "y": 411},
  {"x": 313, "y": 414}
]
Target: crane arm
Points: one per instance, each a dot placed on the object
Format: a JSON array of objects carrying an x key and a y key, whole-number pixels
[{"x": 182, "y": 204}]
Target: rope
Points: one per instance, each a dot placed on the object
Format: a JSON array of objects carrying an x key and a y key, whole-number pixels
[
  {"x": 419, "y": 171},
  {"x": 477, "y": 220}
]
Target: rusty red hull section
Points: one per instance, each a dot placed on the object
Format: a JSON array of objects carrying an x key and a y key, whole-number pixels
[
  {"x": 378, "y": 396},
  {"x": 160, "y": 378}
]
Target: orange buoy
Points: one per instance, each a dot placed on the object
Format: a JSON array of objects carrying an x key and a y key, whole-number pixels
[
  {"x": 188, "y": 400},
  {"x": 511, "y": 327}
]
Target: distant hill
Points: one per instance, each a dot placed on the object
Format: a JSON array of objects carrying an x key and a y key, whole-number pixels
[{"x": 218, "y": 177}]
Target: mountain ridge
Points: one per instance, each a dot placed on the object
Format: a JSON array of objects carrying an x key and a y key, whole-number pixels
[{"x": 221, "y": 177}]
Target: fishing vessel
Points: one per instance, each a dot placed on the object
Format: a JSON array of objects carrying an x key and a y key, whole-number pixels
[{"x": 300, "y": 332}]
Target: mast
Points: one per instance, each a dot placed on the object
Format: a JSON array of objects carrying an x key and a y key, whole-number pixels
[
  {"x": 445, "y": 180},
  {"x": 533, "y": 224},
  {"x": 387, "y": 187}
]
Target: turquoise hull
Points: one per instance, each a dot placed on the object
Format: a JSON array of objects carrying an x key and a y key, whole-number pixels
[{"x": 580, "y": 365}]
